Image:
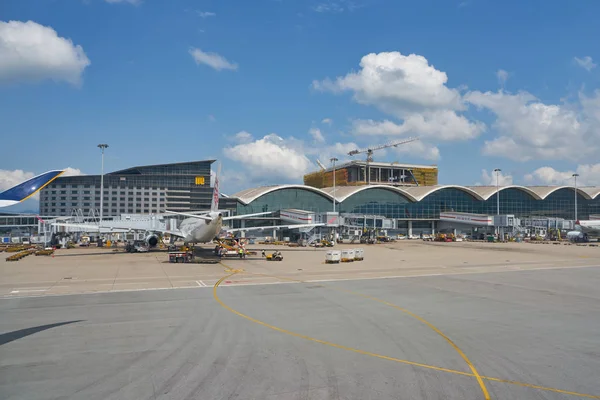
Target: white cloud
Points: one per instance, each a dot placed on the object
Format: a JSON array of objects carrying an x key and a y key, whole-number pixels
[
  {"x": 30, "y": 52},
  {"x": 243, "y": 137},
  {"x": 397, "y": 84},
  {"x": 205, "y": 14},
  {"x": 585, "y": 62},
  {"x": 589, "y": 175},
  {"x": 410, "y": 89},
  {"x": 72, "y": 172},
  {"x": 489, "y": 178},
  {"x": 317, "y": 135},
  {"x": 213, "y": 60},
  {"x": 439, "y": 125},
  {"x": 327, "y": 121},
  {"x": 271, "y": 158},
  {"x": 530, "y": 129},
  {"x": 502, "y": 76},
  {"x": 134, "y": 2}
]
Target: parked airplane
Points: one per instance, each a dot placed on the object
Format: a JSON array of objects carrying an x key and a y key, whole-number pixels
[
  {"x": 584, "y": 230},
  {"x": 25, "y": 190},
  {"x": 197, "y": 227}
]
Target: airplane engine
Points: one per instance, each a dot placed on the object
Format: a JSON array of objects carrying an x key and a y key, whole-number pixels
[
  {"x": 152, "y": 240},
  {"x": 577, "y": 236}
]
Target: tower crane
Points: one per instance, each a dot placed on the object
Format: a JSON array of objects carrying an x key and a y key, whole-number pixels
[{"x": 369, "y": 152}]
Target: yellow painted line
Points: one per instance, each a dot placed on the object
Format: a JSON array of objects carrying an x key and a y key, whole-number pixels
[
  {"x": 431, "y": 326},
  {"x": 339, "y": 346},
  {"x": 436, "y": 330},
  {"x": 380, "y": 356}
]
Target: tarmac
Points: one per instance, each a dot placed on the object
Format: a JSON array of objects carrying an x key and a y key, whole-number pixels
[{"x": 414, "y": 320}]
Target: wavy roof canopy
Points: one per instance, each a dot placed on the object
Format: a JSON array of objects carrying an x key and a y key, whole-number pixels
[
  {"x": 416, "y": 193},
  {"x": 247, "y": 196}
]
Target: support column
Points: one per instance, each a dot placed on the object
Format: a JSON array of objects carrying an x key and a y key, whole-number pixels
[
  {"x": 433, "y": 227},
  {"x": 274, "y": 230},
  {"x": 243, "y": 225},
  {"x": 409, "y": 229}
]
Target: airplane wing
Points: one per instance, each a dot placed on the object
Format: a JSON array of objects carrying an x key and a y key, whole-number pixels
[
  {"x": 189, "y": 215},
  {"x": 261, "y": 228},
  {"x": 25, "y": 190},
  {"x": 246, "y": 215},
  {"x": 88, "y": 227}
]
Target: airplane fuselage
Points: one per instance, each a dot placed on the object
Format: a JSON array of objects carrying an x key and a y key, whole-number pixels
[{"x": 200, "y": 230}]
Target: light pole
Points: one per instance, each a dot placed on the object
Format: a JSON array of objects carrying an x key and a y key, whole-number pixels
[
  {"x": 575, "y": 176},
  {"x": 102, "y": 146},
  {"x": 333, "y": 160},
  {"x": 497, "y": 171}
]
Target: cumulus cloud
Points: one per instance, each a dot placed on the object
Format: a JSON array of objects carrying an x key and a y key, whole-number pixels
[
  {"x": 30, "y": 52},
  {"x": 442, "y": 125},
  {"x": 589, "y": 175},
  {"x": 397, "y": 84},
  {"x": 529, "y": 129},
  {"x": 586, "y": 63},
  {"x": 72, "y": 172},
  {"x": 409, "y": 88},
  {"x": 213, "y": 60},
  {"x": 317, "y": 135},
  {"x": 489, "y": 178},
  {"x": 271, "y": 158},
  {"x": 205, "y": 14},
  {"x": 502, "y": 76},
  {"x": 327, "y": 121}
]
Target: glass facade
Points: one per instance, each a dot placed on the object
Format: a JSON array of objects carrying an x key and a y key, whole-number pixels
[
  {"x": 145, "y": 189},
  {"x": 391, "y": 204},
  {"x": 302, "y": 199}
]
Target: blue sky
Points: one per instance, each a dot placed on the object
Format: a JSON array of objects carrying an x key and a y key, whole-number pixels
[{"x": 250, "y": 83}]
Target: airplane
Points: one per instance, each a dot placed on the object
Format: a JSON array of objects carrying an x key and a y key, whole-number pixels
[
  {"x": 25, "y": 190},
  {"x": 584, "y": 230},
  {"x": 197, "y": 227}
]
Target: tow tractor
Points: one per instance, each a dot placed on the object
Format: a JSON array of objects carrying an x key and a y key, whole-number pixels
[{"x": 183, "y": 255}]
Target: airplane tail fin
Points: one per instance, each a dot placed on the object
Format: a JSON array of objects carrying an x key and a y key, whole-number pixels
[
  {"x": 214, "y": 205},
  {"x": 25, "y": 190}
]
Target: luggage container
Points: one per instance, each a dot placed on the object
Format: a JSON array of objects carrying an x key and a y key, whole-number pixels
[
  {"x": 333, "y": 256},
  {"x": 359, "y": 254},
  {"x": 348, "y": 255}
]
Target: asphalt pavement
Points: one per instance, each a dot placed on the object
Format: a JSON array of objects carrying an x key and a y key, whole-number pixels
[{"x": 406, "y": 338}]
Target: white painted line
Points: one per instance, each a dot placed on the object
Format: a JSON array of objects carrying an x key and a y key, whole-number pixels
[
  {"x": 7, "y": 297},
  {"x": 201, "y": 284}
]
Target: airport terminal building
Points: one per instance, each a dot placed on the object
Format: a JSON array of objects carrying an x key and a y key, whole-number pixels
[
  {"x": 400, "y": 197},
  {"x": 138, "y": 190},
  {"x": 420, "y": 208}
]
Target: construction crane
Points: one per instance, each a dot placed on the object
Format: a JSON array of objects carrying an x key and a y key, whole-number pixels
[{"x": 369, "y": 152}]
